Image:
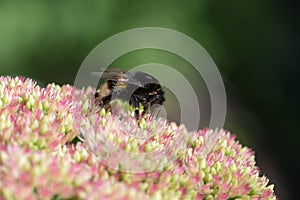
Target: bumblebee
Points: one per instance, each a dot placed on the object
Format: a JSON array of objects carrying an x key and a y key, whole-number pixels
[{"x": 135, "y": 87}]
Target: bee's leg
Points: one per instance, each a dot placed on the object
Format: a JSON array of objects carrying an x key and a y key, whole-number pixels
[
  {"x": 104, "y": 102},
  {"x": 146, "y": 108},
  {"x": 134, "y": 102}
]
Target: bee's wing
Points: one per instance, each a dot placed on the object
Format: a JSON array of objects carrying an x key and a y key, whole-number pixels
[
  {"x": 118, "y": 75},
  {"x": 114, "y": 69},
  {"x": 107, "y": 75}
]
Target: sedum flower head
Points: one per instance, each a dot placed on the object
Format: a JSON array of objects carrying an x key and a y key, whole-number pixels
[{"x": 55, "y": 144}]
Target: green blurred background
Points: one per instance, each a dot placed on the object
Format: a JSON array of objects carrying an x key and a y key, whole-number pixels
[{"x": 254, "y": 44}]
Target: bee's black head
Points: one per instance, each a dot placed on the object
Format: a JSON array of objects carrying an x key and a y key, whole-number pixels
[
  {"x": 154, "y": 93},
  {"x": 159, "y": 97}
]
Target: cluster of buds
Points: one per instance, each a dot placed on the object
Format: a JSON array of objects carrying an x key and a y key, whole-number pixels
[{"x": 54, "y": 146}]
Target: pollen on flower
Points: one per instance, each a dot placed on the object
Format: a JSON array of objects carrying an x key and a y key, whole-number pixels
[{"x": 55, "y": 144}]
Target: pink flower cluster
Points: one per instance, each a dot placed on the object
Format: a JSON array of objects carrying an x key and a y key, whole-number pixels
[{"x": 41, "y": 156}]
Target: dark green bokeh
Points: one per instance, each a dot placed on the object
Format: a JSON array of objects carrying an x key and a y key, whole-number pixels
[{"x": 253, "y": 43}]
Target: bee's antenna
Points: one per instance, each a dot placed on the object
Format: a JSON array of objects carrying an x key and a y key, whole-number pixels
[{"x": 156, "y": 112}]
